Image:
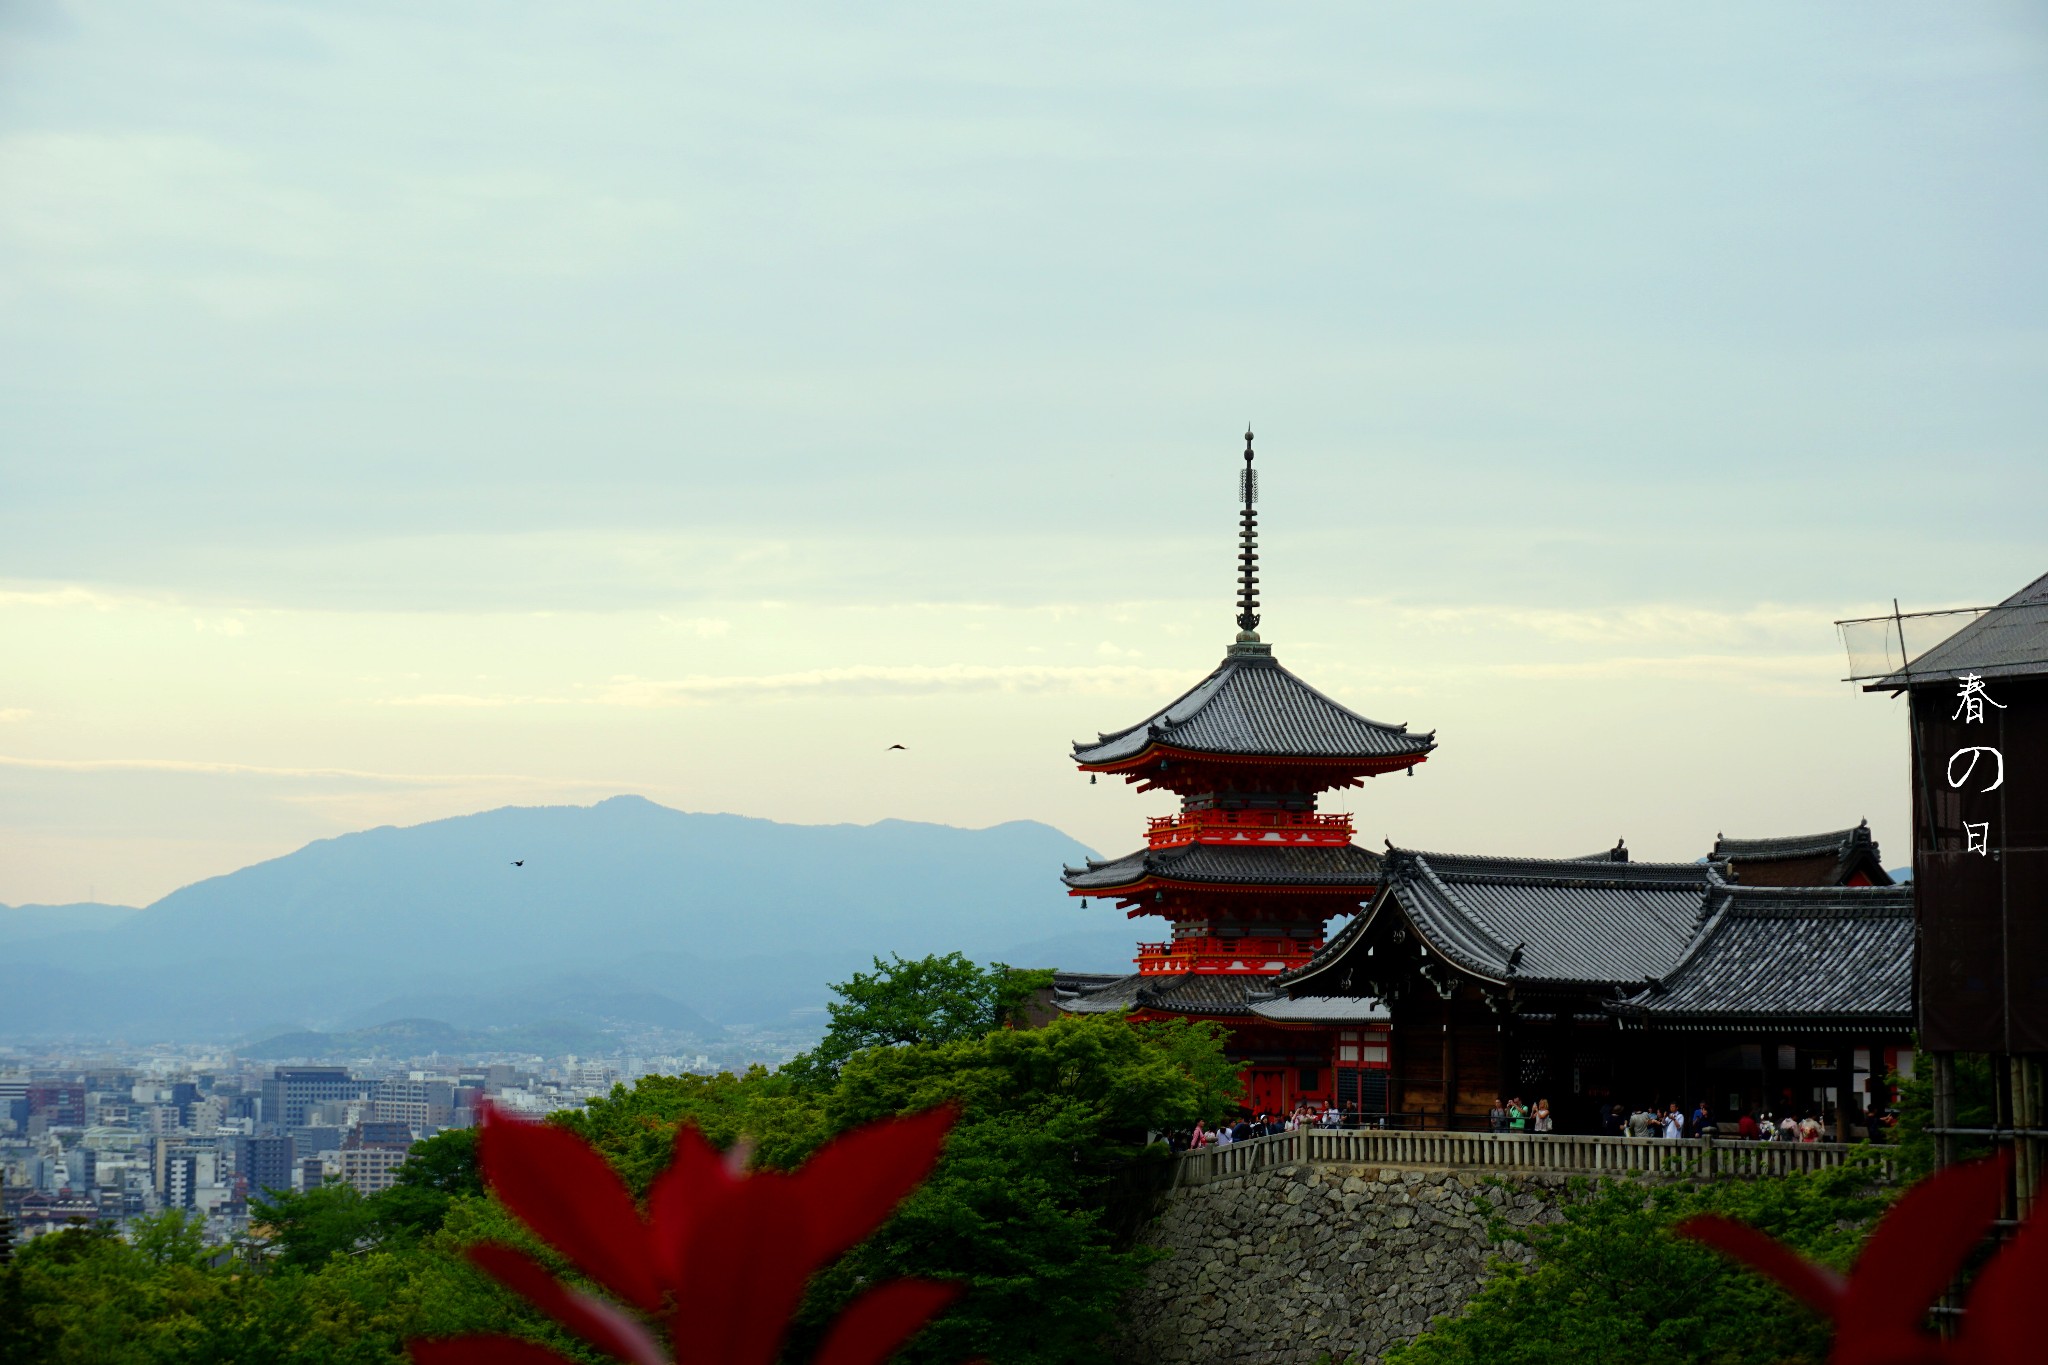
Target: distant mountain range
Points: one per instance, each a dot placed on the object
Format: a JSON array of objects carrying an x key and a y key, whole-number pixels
[{"x": 625, "y": 914}]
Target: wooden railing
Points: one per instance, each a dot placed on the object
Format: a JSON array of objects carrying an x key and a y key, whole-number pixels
[
  {"x": 1706, "y": 1158},
  {"x": 1279, "y": 828}
]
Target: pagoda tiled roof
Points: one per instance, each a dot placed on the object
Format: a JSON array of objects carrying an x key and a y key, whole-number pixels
[
  {"x": 2008, "y": 641},
  {"x": 1181, "y": 993},
  {"x": 1343, "y": 865},
  {"x": 1322, "y": 1009},
  {"x": 1792, "y": 955},
  {"x": 1538, "y": 920},
  {"x": 1252, "y": 707}
]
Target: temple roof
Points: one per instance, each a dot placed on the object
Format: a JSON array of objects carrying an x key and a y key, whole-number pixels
[
  {"x": 1792, "y": 954},
  {"x": 1184, "y": 993},
  {"x": 1252, "y": 707},
  {"x": 1537, "y": 920},
  {"x": 1335, "y": 867},
  {"x": 1217, "y": 994},
  {"x": 1322, "y": 1009},
  {"x": 2008, "y": 641},
  {"x": 1805, "y": 859}
]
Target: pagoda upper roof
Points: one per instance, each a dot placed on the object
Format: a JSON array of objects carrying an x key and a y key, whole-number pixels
[
  {"x": 1792, "y": 955},
  {"x": 1251, "y": 707},
  {"x": 1329, "y": 867}
]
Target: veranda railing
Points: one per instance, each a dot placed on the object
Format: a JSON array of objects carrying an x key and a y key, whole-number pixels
[{"x": 1706, "y": 1158}]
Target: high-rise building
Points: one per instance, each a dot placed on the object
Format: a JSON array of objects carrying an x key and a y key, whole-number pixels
[
  {"x": 372, "y": 1154},
  {"x": 264, "y": 1164},
  {"x": 61, "y": 1103},
  {"x": 292, "y": 1089}
]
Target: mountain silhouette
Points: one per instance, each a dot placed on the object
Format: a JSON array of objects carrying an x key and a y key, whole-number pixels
[{"x": 625, "y": 913}]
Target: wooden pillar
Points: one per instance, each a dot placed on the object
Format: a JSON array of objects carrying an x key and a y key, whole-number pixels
[
  {"x": 1770, "y": 1100},
  {"x": 1397, "y": 1093},
  {"x": 1450, "y": 1070}
]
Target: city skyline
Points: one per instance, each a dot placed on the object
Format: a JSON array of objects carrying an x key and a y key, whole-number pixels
[{"x": 410, "y": 415}]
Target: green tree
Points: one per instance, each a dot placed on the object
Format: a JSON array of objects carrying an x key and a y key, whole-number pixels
[
  {"x": 1611, "y": 1285},
  {"x": 907, "y": 1002}
]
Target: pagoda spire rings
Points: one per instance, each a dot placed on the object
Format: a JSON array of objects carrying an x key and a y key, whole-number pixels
[{"x": 1248, "y": 550}]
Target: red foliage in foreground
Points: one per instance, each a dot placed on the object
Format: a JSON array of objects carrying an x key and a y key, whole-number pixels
[
  {"x": 1915, "y": 1254},
  {"x": 725, "y": 1254}
]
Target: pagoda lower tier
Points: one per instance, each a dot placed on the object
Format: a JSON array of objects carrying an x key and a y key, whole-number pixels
[{"x": 1288, "y": 1052}]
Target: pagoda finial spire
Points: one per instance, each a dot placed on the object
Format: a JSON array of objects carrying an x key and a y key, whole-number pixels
[{"x": 1248, "y": 550}]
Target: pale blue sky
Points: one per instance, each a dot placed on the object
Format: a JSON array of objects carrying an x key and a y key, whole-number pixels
[{"x": 410, "y": 409}]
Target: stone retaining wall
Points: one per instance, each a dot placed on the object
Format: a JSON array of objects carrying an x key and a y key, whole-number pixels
[{"x": 1278, "y": 1267}]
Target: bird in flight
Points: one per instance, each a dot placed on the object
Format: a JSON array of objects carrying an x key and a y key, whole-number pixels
[
  {"x": 519, "y": 862},
  {"x": 892, "y": 746}
]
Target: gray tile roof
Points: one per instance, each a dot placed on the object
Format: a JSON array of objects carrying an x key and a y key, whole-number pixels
[
  {"x": 1540, "y": 920},
  {"x": 1844, "y": 847},
  {"x": 1334, "y": 867},
  {"x": 1831, "y": 955},
  {"x": 1788, "y": 845},
  {"x": 1187, "y": 992},
  {"x": 2008, "y": 641},
  {"x": 1322, "y": 1009},
  {"x": 1252, "y": 706}
]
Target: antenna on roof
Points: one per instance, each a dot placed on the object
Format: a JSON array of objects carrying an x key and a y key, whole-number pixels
[{"x": 1248, "y": 549}]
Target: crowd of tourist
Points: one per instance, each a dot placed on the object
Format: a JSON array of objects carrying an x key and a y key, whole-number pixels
[
  {"x": 1510, "y": 1116},
  {"x": 1251, "y": 1126}
]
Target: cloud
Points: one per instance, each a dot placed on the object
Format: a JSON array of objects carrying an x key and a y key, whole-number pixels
[
  {"x": 1641, "y": 624},
  {"x": 12, "y": 713},
  {"x": 68, "y": 595},
  {"x": 215, "y": 769},
  {"x": 858, "y": 680}
]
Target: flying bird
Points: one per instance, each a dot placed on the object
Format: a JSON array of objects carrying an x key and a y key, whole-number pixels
[
  {"x": 519, "y": 862},
  {"x": 893, "y": 746}
]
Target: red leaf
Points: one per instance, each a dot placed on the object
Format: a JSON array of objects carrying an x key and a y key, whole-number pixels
[
  {"x": 747, "y": 1271},
  {"x": 877, "y": 1324},
  {"x": 696, "y": 1176},
  {"x": 560, "y": 1187},
  {"x": 2007, "y": 1319},
  {"x": 597, "y": 1322},
  {"x": 1814, "y": 1285},
  {"x": 1915, "y": 1253},
  {"x": 483, "y": 1350},
  {"x": 856, "y": 1180}
]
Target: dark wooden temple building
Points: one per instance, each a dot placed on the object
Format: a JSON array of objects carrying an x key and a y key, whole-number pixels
[
  {"x": 1846, "y": 857},
  {"x": 1774, "y": 974},
  {"x": 1591, "y": 982}
]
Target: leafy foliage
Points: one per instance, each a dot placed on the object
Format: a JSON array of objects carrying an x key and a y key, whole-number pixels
[
  {"x": 1975, "y": 1097},
  {"x": 1611, "y": 1285},
  {"x": 1051, "y": 1146},
  {"x": 909, "y": 1002}
]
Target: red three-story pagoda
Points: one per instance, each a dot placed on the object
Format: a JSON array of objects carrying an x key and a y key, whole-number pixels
[{"x": 1249, "y": 873}]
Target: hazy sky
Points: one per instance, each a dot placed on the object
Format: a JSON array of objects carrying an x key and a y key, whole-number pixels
[{"x": 406, "y": 410}]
